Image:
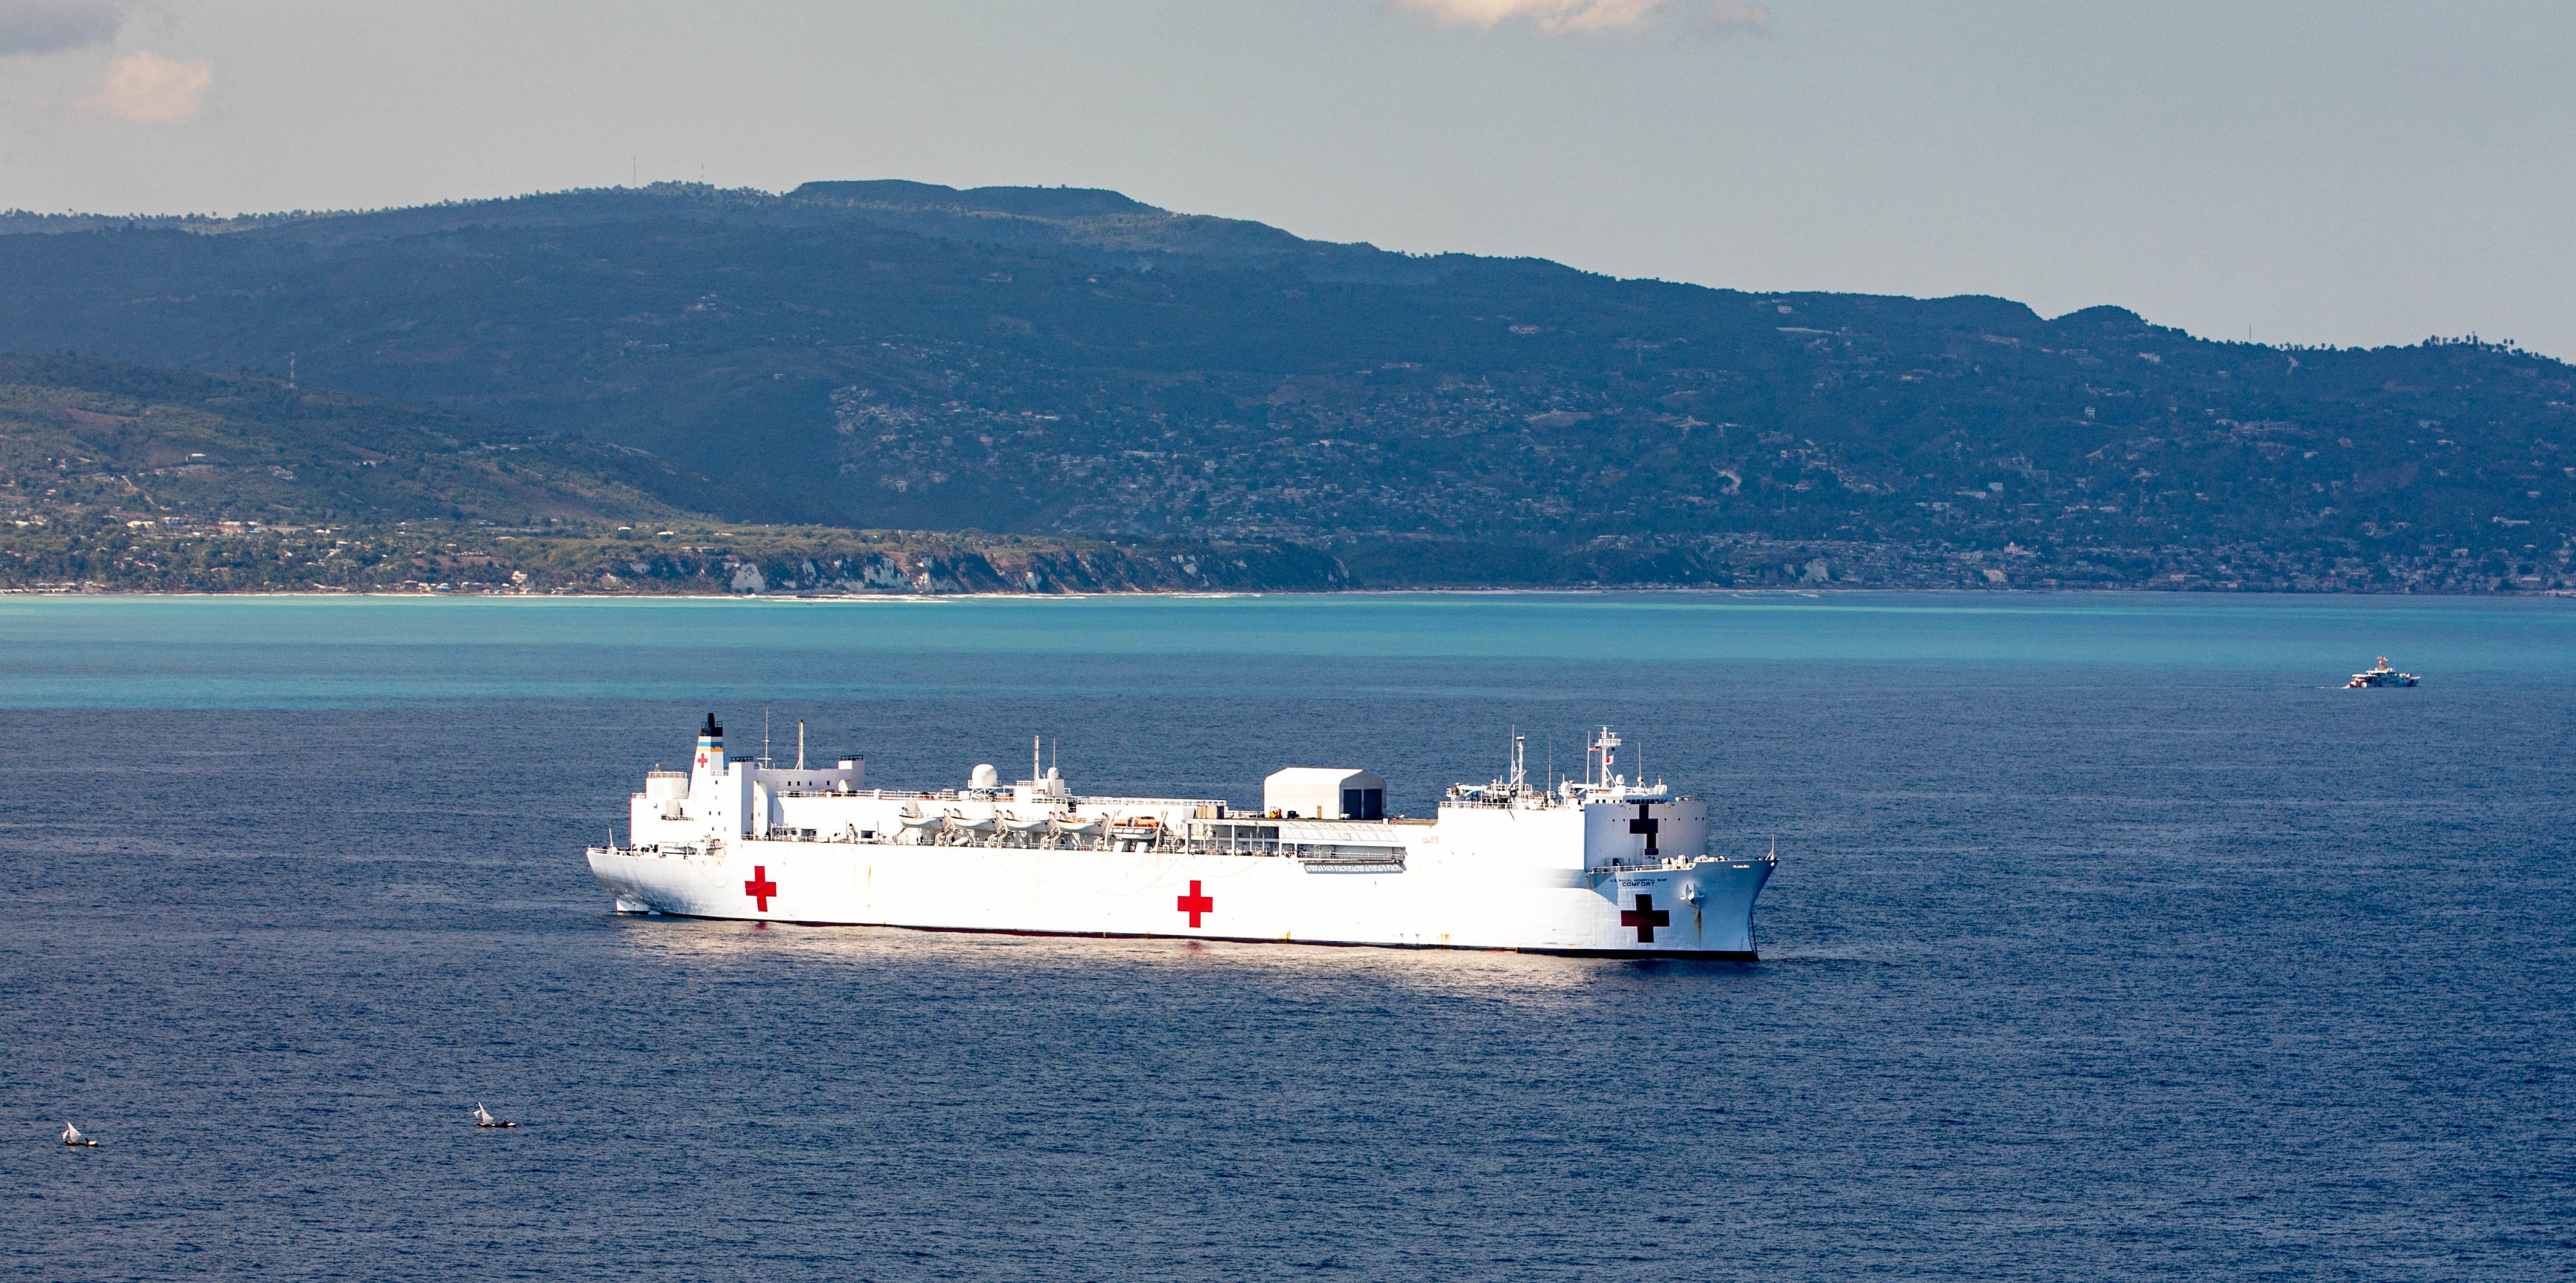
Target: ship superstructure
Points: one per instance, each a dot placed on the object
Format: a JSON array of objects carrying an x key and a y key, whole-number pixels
[
  {"x": 2380, "y": 674},
  {"x": 1604, "y": 865}
]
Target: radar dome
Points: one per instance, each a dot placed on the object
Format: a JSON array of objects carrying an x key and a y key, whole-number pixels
[{"x": 984, "y": 777}]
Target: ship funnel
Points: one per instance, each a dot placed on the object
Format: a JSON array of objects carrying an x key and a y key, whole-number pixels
[{"x": 709, "y": 759}]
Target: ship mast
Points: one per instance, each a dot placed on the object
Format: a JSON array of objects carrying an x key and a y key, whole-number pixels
[{"x": 1608, "y": 747}]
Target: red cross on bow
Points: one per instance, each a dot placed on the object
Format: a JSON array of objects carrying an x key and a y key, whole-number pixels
[
  {"x": 761, "y": 888},
  {"x": 1195, "y": 904},
  {"x": 1645, "y": 918}
]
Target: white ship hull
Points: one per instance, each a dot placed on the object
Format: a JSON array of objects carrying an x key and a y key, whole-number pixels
[{"x": 1700, "y": 909}]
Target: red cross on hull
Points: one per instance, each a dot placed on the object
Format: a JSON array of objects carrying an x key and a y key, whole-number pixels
[
  {"x": 1645, "y": 918},
  {"x": 760, "y": 888},
  {"x": 1196, "y": 903}
]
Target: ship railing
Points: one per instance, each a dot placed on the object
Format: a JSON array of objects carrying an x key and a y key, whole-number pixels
[
  {"x": 872, "y": 794},
  {"x": 1381, "y": 857},
  {"x": 1303, "y": 852},
  {"x": 1661, "y": 864},
  {"x": 1550, "y": 801},
  {"x": 1311, "y": 853},
  {"x": 1526, "y": 802},
  {"x": 1357, "y": 852}
]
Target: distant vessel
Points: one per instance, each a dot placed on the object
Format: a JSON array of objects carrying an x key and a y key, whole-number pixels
[
  {"x": 1604, "y": 866},
  {"x": 72, "y": 1136},
  {"x": 483, "y": 1117},
  {"x": 2382, "y": 675}
]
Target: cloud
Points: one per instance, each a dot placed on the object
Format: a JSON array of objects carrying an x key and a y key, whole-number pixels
[
  {"x": 147, "y": 87},
  {"x": 1546, "y": 15},
  {"x": 51, "y": 26},
  {"x": 1731, "y": 18},
  {"x": 1707, "y": 17}
]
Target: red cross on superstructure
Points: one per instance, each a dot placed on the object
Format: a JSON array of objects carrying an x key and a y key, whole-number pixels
[
  {"x": 1645, "y": 918},
  {"x": 1196, "y": 903},
  {"x": 760, "y": 887}
]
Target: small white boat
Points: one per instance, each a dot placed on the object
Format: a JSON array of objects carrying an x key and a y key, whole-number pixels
[
  {"x": 2382, "y": 675},
  {"x": 72, "y": 1136},
  {"x": 483, "y": 1117}
]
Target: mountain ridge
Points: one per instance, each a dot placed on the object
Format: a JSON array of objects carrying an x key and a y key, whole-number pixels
[{"x": 1075, "y": 364}]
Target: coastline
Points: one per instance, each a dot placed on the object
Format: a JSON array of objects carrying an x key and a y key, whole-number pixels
[{"x": 1566, "y": 590}]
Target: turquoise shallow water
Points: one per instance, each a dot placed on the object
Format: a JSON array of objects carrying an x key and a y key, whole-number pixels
[
  {"x": 2110, "y": 940},
  {"x": 70, "y": 652}
]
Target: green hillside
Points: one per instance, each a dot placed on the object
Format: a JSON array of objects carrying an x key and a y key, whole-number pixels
[
  {"x": 179, "y": 447},
  {"x": 1075, "y": 365},
  {"x": 124, "y": 477}
]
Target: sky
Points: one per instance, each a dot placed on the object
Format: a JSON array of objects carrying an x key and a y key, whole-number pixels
[{"x": 2349, "y": 173}]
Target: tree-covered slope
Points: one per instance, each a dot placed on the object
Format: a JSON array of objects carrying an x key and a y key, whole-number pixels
[
  {"x": 118, "y": 476},
  {"x": 1075, "y": 363},
  {"x": 182, "y": 447}
]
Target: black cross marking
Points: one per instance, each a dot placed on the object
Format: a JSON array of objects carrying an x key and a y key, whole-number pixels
[{"x": 1645, "y": 917}]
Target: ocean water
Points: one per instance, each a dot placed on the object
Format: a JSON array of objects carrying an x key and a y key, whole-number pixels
[{"x": 2109, "y": 941}]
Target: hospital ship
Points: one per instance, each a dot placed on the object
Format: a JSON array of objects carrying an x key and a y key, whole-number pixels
[{"x": 1601, "y": 866}]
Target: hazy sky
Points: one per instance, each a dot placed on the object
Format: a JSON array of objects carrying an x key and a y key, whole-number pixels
[{"x": 2348, "y": 173}]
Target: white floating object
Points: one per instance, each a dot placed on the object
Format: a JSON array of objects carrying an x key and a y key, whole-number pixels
[
  {"x": 483, "y": 1117},
  {"x": 72, "y": 1136},
  {"x": 2380, "y": 675}
]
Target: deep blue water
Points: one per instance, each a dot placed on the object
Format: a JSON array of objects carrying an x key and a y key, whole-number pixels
[{"x": 2109, "y": 941}]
